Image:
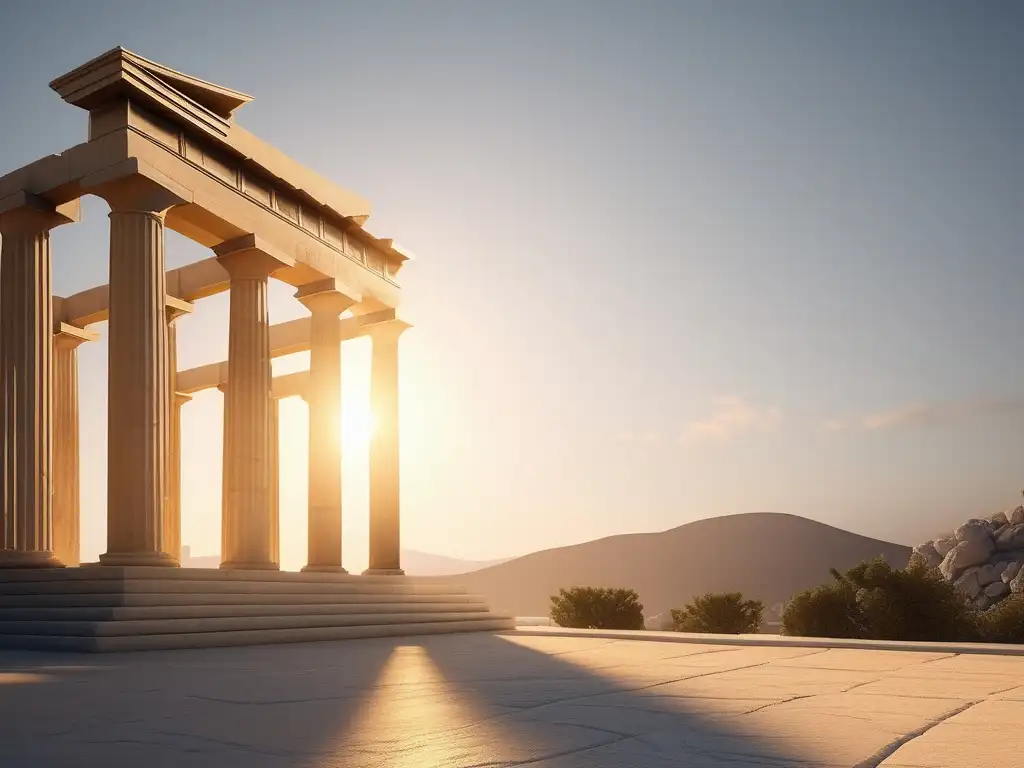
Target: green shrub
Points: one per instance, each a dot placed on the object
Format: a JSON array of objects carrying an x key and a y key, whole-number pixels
[
  {"x": 597, "y": 608},
  {"x": 913, "y": 603},
  {"x": 826, "y": 611},
  {"x": 875, "y": 601},
  {"x": 1004, "y": 622},
  {"x": 722, "y": 613}
]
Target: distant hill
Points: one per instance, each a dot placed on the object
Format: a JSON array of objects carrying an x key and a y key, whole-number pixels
[
  {"x": 765, "y": 555},
  {"x": 415, "y": 563},
  {"x": 425, "y": 564}
]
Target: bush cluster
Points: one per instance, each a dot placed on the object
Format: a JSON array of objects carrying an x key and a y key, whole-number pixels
[
  {"x": 724, "y": 613},
  {"x": 872, "y": 601},
  {"x": 597, "y": 608},
  {"x": 875, "y": 601}
]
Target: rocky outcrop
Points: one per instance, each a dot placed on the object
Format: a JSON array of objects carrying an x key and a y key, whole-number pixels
[{"x": 983, "y": 558}]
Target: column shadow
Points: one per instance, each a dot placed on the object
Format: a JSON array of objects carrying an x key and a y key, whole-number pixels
[{"x": 457, "y": 701}]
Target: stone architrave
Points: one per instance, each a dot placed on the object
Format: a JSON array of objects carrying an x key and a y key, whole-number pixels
[
  {"x": 66, "y": 490},
  {"x": 172, "y": 494},
  {"x": 325, "y": 302},
  {"x": 138, "y": 378},
  {"x": 26, "y": 377},
  {"x": 385, "y": 558},
  {"x": 247, "y": 541}
]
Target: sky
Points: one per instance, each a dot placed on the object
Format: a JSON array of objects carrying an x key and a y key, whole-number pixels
[{"x": 674, "y": 259}]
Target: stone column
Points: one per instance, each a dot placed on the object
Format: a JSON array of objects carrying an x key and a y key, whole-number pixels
[
  {"x": 26, "y": 371},
  {"x": 275, "y": 481},
  {"x": 172, "y": 520},
  {"x": 226, "y": 534},
  {"x": 323, "y": 394},
  {"x": 66, "y": 520},
  {"x": 138, "y": 381},
  {"x": 172, "y": 493},
  {"x": 247, "y": 541},
  {"x": 385, "y": 558}
]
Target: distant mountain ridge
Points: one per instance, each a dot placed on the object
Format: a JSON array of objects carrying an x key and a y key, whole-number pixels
[
  {"x": 414, "y": 562},
  {"x": 764, "y": 555}
]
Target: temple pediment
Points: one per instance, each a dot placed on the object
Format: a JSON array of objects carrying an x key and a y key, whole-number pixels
[
  {"x": 201, "y": 110},
  {"x": 120, "y": 72}
]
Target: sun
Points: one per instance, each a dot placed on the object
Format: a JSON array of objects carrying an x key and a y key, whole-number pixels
[{"x": 357, "y": 425}]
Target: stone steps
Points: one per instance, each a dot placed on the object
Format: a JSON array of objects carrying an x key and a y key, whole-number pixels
[
  {"x": 155, "y": 612},
  {"x": 106, "y": 609},
  {"x": 225, "y": 624},
  {"x": 128, "y": 599},
  {"x": 247, "y": 637},
  {"x": 166, "y": 586}
]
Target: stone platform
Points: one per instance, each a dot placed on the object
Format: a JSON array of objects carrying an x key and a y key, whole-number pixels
[
  {"x": 514, "y": 699},
  {"x": 102, "y": 608}
]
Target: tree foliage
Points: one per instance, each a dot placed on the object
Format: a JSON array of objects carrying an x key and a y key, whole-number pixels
[
  {"x": 1004, "y": 622},
  {"x": 722, "y": 613},
  {"x": 875, "y": 601},
  {"x": 597, "y": 608}
]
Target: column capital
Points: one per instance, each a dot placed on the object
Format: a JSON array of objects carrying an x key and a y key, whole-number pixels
[
  {"x": 134, "y": 185},
  {"x": 176, "y": 307},
  {"x": 250, "y": 257},
  {"x": 25, "y": 213},
  {"x": 70, "y": 336},
  {"x": 388, "y": 331},
  {"x": 180, "y": 398},
  {"x": 327, "y": 296}
]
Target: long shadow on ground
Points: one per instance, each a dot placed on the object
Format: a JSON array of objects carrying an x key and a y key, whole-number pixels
[{"x": 452, "y": 701}]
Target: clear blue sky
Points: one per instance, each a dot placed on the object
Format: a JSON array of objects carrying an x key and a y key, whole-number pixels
[{"x": 676, "y": 259}]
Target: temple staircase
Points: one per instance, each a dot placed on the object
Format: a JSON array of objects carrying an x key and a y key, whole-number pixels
[{"x": 103, "y": 608}]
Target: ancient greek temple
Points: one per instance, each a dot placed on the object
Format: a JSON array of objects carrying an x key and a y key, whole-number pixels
[{"x": 164, "y": 150}]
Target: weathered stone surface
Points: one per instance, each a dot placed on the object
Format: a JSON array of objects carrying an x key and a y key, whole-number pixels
[
  {"x": 973, "y": 530},
  {"x": 928, "y": 554},
  {"x": 982, "y": 602},
  {"x": 997, "y": 589},
  {"x": 1012, "y": 537},
  {"x": 1000, "y": 518},
  {"x": 1012, "y": 569},
  {"x": 968, "y": 553},
  {"x": 944, "y": 544},
  {"x": 988, "y": 574},
  {"x": 984, "y": 558},
  {"x": 437, "y": 703},
  {"x": 969, "y": 584}
]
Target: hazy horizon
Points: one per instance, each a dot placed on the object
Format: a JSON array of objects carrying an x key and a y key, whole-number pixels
[{"x": 674, "y": 259}]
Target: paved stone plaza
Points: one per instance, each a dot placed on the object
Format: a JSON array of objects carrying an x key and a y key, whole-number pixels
[{"x": 509, "y": 700}]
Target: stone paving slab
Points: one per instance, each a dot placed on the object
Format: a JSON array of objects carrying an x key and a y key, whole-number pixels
[{"x": 513, "y": 699}]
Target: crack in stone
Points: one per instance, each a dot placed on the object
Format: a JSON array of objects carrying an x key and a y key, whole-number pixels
[
  {"x": 782, "y": 701},
  {"x": 889, "y": 749},
  {"x": 549, "y": 756}
]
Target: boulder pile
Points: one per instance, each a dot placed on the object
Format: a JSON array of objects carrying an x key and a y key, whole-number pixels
[{"x": 983, "y": 558}]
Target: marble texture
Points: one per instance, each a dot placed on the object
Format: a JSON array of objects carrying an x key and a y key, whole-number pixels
[{"x": 513, "y": 699}]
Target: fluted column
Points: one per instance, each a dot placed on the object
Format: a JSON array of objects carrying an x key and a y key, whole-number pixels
[
  {"x": 172, "y": 493},
  {"x": 139, "y": 390},
  {"x": 323, "y": 394},
  {"x": 247, "y": 540},
  {"x": 172, "y": 519},
  {"x": 226, "y": 531},
  {"x": 385, "y": 558},
  {"x": 275, "y": 481},
  {"x": 66, "y": 519},
  {"x": 26, "y": 371}
]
